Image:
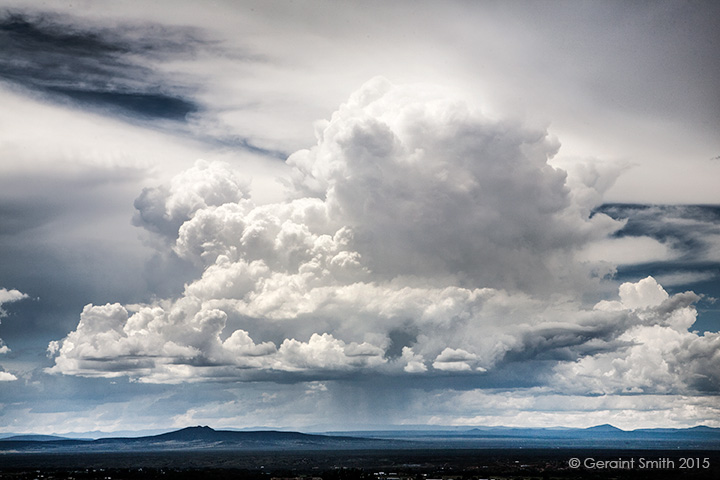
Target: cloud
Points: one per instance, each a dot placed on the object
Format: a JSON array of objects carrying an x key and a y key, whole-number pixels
[
  {"x": 164, "y": 210},
  {"x": 325, "y": 352},
  {"x": 100, "y": 65},
  {"x": 455, "y": 360},
  {"x": 627, "y": 251},
  {"x": 418, "y": 239},
  {"x": 413, "y": 363},
  {"x": 140, "y": 93},
  {"x": 540, "y": 407},
  {"x": 660, "y": 354},
  {"x": 150, "y": 73},
  {"x": 420, "y": 178},
  {"x": 685, "y": 278},
  {"x": 645, "y": 293},
  {"x": 690, "y": 232},
  {"x": 679, "y": 245},
  {"x": 8, "y": 296}
]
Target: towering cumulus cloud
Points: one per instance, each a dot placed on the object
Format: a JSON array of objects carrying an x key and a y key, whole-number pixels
[
  {"x": 419, "y": 239},
  {"x": 7, "y": 296}
]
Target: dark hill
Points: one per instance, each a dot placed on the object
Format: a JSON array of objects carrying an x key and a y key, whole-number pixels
[
  {"x": 189, "y": 434},
  {"x": 605, "y": 428},
  {"x": 265, "y": 439},
  {"x": 203, "y": 438}
]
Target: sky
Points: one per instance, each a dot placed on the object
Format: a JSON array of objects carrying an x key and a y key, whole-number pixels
[{"x": 341, "y": 215}]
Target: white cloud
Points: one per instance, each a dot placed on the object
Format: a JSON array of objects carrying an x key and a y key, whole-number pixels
[
  {"x": 660, "y": 354},
  {"x": 414, "y": 214},
  {"x": 627, "y": 251},
  {"x": 7, "y": 377},
  {"x": 205, "y": 184},
  {"x": 454, "y": 360},
  {"x": 645, "y": 293},
  {"x": 428, "y": 185},
  {"x": 8, "y": 296},
  {"x": 543, "y": 408},
  {"x": 684, "y": 278},
  {"x": 414, "y": 363},
  {"x": 323, "y": 352}
]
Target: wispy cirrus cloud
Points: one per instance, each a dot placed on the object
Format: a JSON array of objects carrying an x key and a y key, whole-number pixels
[
  {"x": 134, "y": 71},
  {"x": 104, "y": 68}
]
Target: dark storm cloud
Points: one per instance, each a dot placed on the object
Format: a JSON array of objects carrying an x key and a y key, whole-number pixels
[
  {"x": 693, "y": 233},
  {"x": 692, "y": 229},
  {"x": 400, "y": 338},
  {"x": 566, "y": 343},
  {"x": 96, "y": 67}
]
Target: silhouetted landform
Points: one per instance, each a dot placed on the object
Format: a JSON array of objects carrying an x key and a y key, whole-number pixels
[
  {"x": 600, "y": 437},
  {"x": 199, "y": 438},
  {"x": 206, "y": 438}
]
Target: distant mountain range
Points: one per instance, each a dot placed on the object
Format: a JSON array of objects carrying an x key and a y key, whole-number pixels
[
  {"x": 192, "y": 438},
  {"x": 206, "y": 438},
  {"x": 597, "y": 432}
]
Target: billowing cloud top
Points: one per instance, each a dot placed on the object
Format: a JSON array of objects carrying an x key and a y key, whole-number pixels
[{"x": 419, "y": 239}]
